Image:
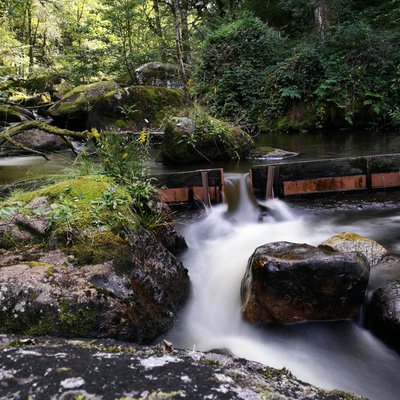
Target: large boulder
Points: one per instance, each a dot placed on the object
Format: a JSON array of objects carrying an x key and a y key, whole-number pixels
[
  {"x": 158, "y": 74},
  {"x": 107, "y": 106},
  {"x": 61, "y": 370},
  {"x": 38, "y": 140},
  {"x": 76, "y": 262},
  {"x": 289, "y": 282},
  {"x": 134, "y": 108},
  {"x": 348, "y": 241},
  {"x": 72, "y": 111},
  {"x": 202, "y": 138},
  {"x": 383, "y": 316}
]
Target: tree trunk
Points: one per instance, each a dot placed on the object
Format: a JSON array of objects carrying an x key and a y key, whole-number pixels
[
  {"x": 30, "y": 38},
  {"x": 186, "y": 51},
  {"x": 159, "y": 31},
  {"x": 323, "y": 16},
  {"x": 178, "y": 45}
]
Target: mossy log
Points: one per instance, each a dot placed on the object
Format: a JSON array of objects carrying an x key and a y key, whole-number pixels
[{"x": 7, "y": 135}]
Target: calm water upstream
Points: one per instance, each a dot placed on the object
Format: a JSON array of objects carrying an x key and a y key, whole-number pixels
[{"x": 331, "y": 354}]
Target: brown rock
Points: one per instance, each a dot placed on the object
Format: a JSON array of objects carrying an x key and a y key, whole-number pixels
[{"x": 288, "y": 282}]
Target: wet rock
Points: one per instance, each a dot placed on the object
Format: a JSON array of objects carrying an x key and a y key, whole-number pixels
[
  {"x": 171, "y": 239},
  {"x": 270, "y": 153},
  {"x": 383, "y": 316},
  {"x": 387, "y": 271},
  {"x": 158, "y": 74},
  {"x": 53, "y": 297},
  {"x": 289, "y": 282},
  {"x": 349, "y": 242},
  {"x": 60, "y": 369}
]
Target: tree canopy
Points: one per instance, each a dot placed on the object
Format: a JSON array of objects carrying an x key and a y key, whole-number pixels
[{"x": 258, "y": 63}]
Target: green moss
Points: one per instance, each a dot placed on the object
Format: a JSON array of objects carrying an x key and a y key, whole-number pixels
[
  {"x": 99, "y": 247},
  {"x": 89, "y": 217},
  {"x": 212, "y": 140},
  {"x": 143, "y": 102},
  {"x": 9, "y": 113},
  {"x": 301, "y": 118},
  {"x": 338, "y": 394},
  {"x": 44, "y": 326},
  {"x": 85, "y": 198},
  {"x": 77, "y": 322},
  {"x": 82, "y": 98}
]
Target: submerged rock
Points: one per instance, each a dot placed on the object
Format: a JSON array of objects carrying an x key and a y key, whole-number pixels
[
  {"x": 289, "y": 282},
  {"x": 383, "y": 316},
  {"x": 349, "y": 242},
  {"x": 202, "y": 138},
  {"x": 60, "y": 369}
]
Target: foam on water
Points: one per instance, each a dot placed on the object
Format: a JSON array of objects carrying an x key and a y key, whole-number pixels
[{"x": 331, "y": 354}]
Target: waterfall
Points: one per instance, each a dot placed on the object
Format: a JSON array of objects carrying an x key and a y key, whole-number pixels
[{"x": 328, "y": 354}]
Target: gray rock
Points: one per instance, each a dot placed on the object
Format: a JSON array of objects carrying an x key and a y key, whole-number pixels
[
  {"x": 289, "y": 282},
  {"x": 383, "y": 316},
  {"x": 41, "y": 141},
  {"x": 44, "y": 294},
  {"x": 59, "y": 369},
  {"x": 349, "y": 242},
  {"x": 158, "y": 74}
]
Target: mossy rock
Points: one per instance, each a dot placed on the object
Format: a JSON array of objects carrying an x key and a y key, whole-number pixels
[
  {"x": 158, "y": 74},
  {"x": 88, "y": 217},
  {"x": 134, "y": 107},
  {"x": 300, "y": 118},
  {"x": 106, "y": 106},
  {"x": 91, "y": 271},
  {"x": 203, "y": 138},
  {"x": 10, "y": 113},
  {"x": 73, "y": 109}
]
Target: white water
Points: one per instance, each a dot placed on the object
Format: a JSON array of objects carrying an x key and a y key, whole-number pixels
[{"x": 331, "y": 355}]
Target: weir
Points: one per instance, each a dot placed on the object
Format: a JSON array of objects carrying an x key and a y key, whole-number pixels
[
  {"x": 284, "y": 180},
  {"x": 330, "y": 354}
]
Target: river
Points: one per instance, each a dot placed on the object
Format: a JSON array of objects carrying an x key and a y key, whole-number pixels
[{"x": 330, "y": 354}]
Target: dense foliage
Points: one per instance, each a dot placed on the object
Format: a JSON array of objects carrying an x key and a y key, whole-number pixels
[
  {"x": 276, "y": 64},
  {"x": 347, "y": 77}
]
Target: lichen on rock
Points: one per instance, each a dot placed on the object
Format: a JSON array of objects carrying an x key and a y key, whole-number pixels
[{"x": 76, "y": 262}]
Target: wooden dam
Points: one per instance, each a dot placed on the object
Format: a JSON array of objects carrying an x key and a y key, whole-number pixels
[{"x": 285, "y": 180}]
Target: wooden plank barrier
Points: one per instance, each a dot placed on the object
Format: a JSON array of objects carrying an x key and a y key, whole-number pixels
[
  {"x": 191, "y": 186},
  {"x": 324, "y": 176}
]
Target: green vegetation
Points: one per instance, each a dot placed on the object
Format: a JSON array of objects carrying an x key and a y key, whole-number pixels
[
  {"x": 208, "y": 139},
  {"x": 92, "y": 215},
  {"x": 348, "y": 77}
]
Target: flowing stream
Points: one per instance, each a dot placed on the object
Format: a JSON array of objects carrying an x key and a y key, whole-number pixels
[{"x": 329, "y": 354}]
